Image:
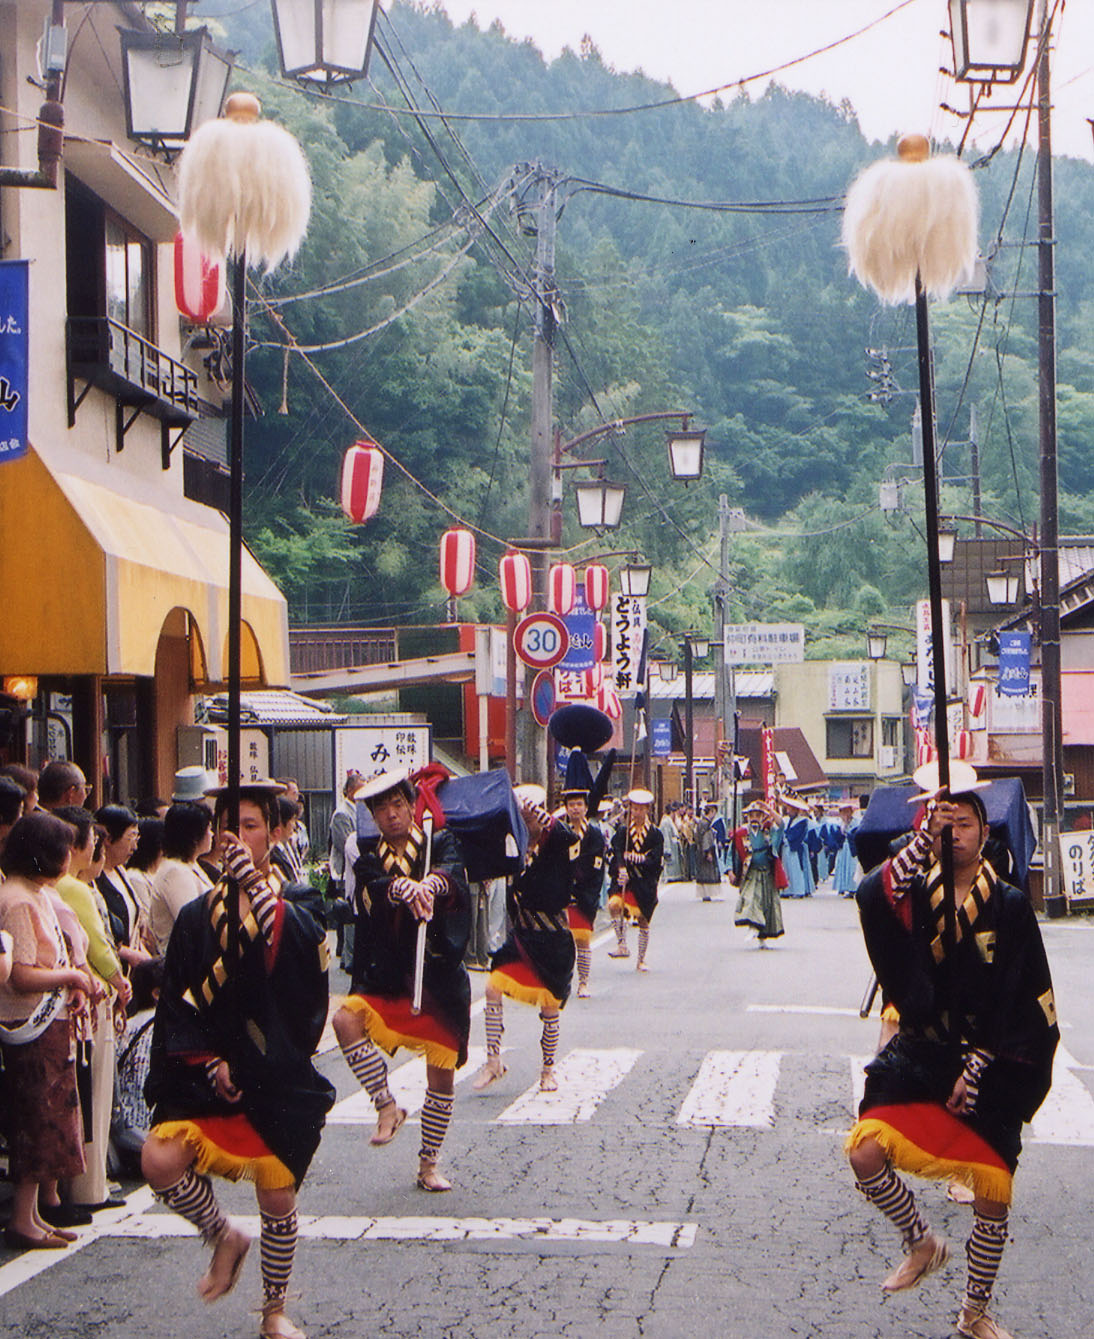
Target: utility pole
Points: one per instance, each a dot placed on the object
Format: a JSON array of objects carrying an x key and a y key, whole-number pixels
[
  {"x": 1051, "y": 718},
  {"x": 725, "y": 683},
  {"x": 974, "y": 467}
]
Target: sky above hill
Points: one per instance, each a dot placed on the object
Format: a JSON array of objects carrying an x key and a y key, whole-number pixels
[{"x": 889, "y": 73}]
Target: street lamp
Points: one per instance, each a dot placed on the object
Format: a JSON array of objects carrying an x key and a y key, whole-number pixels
[
  {"x": 599, "y": 504},
  {"x": 1002, "y": 587},
  {"x": 324, "y": 41},
  {"x": 947, "y": 543},
  {"x": 634, "y": 579},
  {"x": 174, "y": 82},
  {"x": 686, "y": 454},
  {"x": 693, "y": 646},
  {"x": 989, "y": 39},
  {"x": 877, "y": 643}
]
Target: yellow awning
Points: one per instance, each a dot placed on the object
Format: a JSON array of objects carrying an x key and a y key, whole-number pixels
[{"x": 94, "y": 561}]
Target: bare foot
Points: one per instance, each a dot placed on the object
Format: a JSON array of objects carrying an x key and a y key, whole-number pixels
[{"x": 223, "y": 1273}]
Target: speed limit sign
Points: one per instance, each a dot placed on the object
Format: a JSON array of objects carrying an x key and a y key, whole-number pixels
[{"x": 541, "y": 640}]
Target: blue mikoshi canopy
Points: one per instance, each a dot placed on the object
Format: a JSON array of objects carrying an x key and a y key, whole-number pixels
[
  {"x": 483, "y": 813},
  {"x": 890, "y": 815}
]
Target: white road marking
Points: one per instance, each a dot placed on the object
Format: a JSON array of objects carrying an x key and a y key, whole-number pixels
[
  {"x": 585, "y": 1078},
  {"x": 829, "y": 1011},
  {"x": 733, "y": 1088},
  {"x": 407, "y": 1084},
  {"x": 1067, "y": 1116},
  {"x": 611, "y": 1232}
]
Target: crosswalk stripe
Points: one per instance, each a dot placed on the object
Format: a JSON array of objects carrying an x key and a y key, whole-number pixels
[
  {"x": 585, "y": 1078},
  {"x": 1067, "y": 1116},
  {"x": 733, "y": 1088},
  {"x": 407, "y": 1084}
]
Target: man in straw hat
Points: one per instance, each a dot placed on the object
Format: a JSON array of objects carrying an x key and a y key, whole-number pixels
[
  {"x": 756, "y": 847},
  {"x": 535, "y": 965},
  {"x": 231, "y": 1080},
  {"x": 972, "y": 1060},
  {"x": 638, "y": 850},
  {"x": 587, "y": 863},
  {"x": 404, "y": 879}
]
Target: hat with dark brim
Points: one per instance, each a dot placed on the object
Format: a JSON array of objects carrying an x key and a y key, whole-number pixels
[
  {"x": 639, "y": 796},
  {"x": 376, "y": 787},
  {"x": 249, "y": 789}
]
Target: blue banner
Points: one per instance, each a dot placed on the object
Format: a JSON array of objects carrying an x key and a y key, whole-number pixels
[
  {"x": 14, "y": 361},
  {"x": 580, "y": 623},
  {"x": 1014, "y": 664},
  {"x": 661, "y": 738}
]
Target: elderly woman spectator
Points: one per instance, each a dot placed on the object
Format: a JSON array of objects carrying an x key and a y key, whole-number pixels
[
  {"x": 187, "y": 835},
  {"x": 37, "y": 1009}
]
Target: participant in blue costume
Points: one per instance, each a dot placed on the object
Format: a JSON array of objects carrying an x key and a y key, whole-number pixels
[
  {"x": 799, "y": 871},
  {"x": 847, "y": 875},
  {"x": 833, "y": 836},
  {"x": 815, "y": 844}
]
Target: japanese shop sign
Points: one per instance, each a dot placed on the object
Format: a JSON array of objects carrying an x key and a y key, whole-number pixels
[
  {"x": 628, "y": 629},
  {"x": 580, "y": 622},
  {"x": 765, "y": 643},
  {"x": 1077, "y": 859},
  {"x": 14, "y": 365},
  {"x": 849, "y": 686},
  {"x": 1014, "y": 650},
  {"x": 372, "y": 749}
]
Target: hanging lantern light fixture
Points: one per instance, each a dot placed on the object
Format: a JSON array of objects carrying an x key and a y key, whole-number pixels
[
  {"x": 597, "y": 586},
  {"x": 515, "y": 579},
  {"x": 200, "y": 288},
  {"x": 324, "y": 41},
  {"x": 562, "y": 589},
  {"x": 457, "y": 562},
  {"x": 362, "y": 480}
]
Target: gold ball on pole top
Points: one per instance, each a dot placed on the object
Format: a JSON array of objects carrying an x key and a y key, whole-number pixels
[
  {"x": 243, "y": 107},
  {"x": 913, "y": 148}
]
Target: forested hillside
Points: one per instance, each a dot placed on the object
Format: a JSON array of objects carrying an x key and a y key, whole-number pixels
[{"x": 745, "y": 317}]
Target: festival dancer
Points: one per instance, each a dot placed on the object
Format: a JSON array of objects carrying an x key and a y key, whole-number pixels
[
  {"x": 756, "y": 848},
  {"x": 635, "y": 867},
  {"x": 586, "y": 866},
  {"x": 535, "y": 965},
  {"x": 405, "y": 879},
  {"x": 231, "y": 1081},
  {"x": 973, "y": 1056}
]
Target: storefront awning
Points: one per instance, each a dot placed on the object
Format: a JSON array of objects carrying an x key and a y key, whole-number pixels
[{"x": 95, "y": 560}]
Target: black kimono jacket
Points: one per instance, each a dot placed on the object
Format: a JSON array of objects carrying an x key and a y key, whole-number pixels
[
  {"x": 587, "y": 871},
  {"x": 538, "y": 896},
  {"x": 642, "y": 875},
  {"x": 1003, "y": 996},
  {"x": 387, "y": 935},
  {"x": 265, "y": 1022}
]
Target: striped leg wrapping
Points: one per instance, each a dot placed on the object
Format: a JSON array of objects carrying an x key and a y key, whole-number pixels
[
  {"x": 643, "y": 942},
  {"x": 436, "y": 1114},
  {"x": 549, "y": 1040},
  {"x": 620, "y": 927},
  {"x": 494, "y": 1028},
  {"x": 984, "y": 1252},
  {"x": 370, "y": 1070},
  {"x": 887, "y": 1192},
  {"x": 192, "y": 1198},
  {"x": 278, "y": 1248},
  {"x": 584, "y": 959}
]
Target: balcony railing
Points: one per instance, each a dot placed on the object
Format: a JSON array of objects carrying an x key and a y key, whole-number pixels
[{"x": 139, "y": 376}]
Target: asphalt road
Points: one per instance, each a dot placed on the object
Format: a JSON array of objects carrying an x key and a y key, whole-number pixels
[{"x": 687, "y": 1180}]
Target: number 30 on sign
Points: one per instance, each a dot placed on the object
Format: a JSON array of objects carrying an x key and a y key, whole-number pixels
[{"x": 541, "y": 640}]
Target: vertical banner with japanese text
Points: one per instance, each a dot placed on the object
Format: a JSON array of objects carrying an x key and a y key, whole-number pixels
[
  {"x": 768, "y": 762},
  {"x": 924, "y": 655},
  {"x": 628, "y": 632},
  {"x": 14, "y": 359}
]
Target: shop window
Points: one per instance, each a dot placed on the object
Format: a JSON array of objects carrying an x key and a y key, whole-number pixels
[{"x": 849, "y": 737}]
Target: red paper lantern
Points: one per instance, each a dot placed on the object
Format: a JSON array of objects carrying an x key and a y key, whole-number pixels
[
  {"x": 925, "y": 751},
  {"x": 600, "y": 641},
  {"x": 978, "y": 700},
  {"x": 962, "y": 744},
  {"x": 457, "y": 562},
  {"x": 362, "y": 479},
  {"x": 597, "y": 586},
  {"x": 199, "y": 282},
  {"x": 607, "y": 699},
  {"x": 562, "y": 589},
  {"x": 515, "y": 578}
]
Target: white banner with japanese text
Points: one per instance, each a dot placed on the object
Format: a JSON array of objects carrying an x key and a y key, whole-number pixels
[
  {"x": 628, "y": 633},
  {"x": 764, "y": 643}
]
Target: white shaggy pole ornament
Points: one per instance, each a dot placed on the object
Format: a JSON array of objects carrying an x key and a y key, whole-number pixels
[
  {"x": 244, "y": 186},
  {"x": 911, "y": 216},
  {"x": 909, "y": 227},
  {"x": 244, "y": 193}
]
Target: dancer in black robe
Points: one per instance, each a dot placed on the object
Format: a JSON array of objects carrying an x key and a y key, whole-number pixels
[
  {"x": 972, "y": 1060},
  {"x": 637, "y": 854},
  {"x": 402, "y": 880},
  {"x": 535, "y": 965},
  {"x": 231, "y": 1080}
]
